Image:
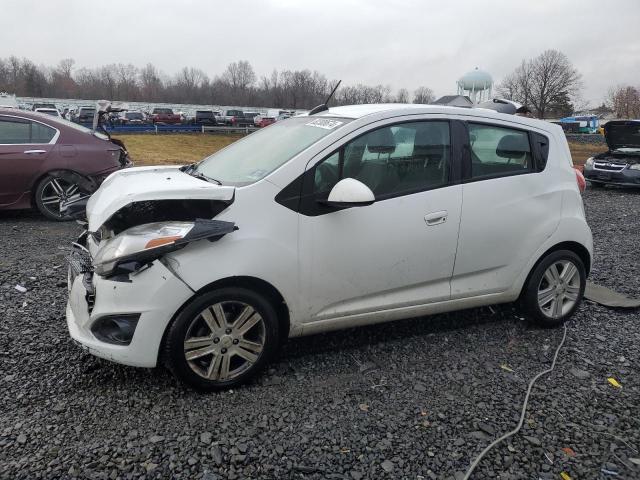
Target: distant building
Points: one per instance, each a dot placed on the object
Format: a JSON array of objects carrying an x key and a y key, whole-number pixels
[
  {"x": 477, "y": 85},
  {"x": 454, "y": 101}
]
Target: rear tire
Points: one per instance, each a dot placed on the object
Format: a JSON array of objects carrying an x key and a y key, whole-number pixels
[
  {"x": 50, "y": 192},
  {"x": 554, "y": 289},
  {"x": 222, "y": 339}
]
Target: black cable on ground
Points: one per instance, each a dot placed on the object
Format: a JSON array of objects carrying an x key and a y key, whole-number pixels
[{"x": 475, "y": 463}]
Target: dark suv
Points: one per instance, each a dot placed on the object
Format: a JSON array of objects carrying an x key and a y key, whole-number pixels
[{"x": 45, "y": 161}]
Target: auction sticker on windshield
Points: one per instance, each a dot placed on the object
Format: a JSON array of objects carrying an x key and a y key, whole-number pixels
[{"x": 324, "y": 123}]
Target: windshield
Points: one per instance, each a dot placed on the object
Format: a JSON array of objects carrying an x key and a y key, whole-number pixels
[
  {"x": 168, "y": 111},
  {"x": 134, "y": 116},
  {"x": 260, "y": 153},
  {"x": 204, "y": 113}
]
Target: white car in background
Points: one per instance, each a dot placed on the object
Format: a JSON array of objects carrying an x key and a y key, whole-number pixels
[
  {"x": 54, "y": 112},
  {"x": 347, "y": 217}
]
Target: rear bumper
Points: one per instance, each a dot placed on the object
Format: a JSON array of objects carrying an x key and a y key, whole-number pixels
[{"x": 626, "y": 177}]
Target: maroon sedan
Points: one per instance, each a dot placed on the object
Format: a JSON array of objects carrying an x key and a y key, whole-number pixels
[{"x": 45, "y": 161}]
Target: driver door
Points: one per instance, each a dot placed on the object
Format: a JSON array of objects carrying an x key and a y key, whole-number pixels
[{"x": 396, "y": 253}]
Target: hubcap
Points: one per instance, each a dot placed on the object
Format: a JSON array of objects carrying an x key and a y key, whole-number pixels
[
  {"x": 54, "y": 193},
  {"x": 224, "y": 340},
  {"x": 559, "y": 289}
]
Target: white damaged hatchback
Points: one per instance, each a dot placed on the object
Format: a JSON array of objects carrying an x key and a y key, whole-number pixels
[{"x": 346, "y": 217}]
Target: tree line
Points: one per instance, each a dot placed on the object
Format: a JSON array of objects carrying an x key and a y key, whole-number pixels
[
  {"x": 238, "y": 84},
  {"x": 548, "y": 84}
]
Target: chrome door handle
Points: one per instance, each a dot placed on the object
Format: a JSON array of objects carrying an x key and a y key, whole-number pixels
[
  {"x": 436, "y": 218},
  {"x": 35, "y": 151}
]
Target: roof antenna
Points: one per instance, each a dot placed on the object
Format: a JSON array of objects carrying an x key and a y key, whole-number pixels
[{"x": 323, "y": 106}]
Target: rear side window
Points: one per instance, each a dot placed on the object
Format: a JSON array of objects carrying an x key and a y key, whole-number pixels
[
  {"x": 20, "y": 131},
  {"x": 14, "y": 131},
  {"x": 41, "y": 133},
  {"x": 498, "y": 151}
]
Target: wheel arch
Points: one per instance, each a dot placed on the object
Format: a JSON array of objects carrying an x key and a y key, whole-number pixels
[
  {"x": 574, "y": 247},
  {"x": 255, "y": 284}
]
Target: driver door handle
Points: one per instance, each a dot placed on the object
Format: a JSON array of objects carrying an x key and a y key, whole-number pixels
[
  {"x": 436, "y": 218},
  {"x": 35, "y": 151}
]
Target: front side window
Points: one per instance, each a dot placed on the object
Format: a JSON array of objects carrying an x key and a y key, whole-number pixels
[
  {"x": 498, "y": 151},
  {"x": 394, "y": 160}
]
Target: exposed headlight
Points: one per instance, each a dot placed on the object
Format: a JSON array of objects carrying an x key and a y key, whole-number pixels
[
  {"x": 140, "y": 245},
  {"x": 635, "y": 166},
  {"x": 589, "y": 163}
]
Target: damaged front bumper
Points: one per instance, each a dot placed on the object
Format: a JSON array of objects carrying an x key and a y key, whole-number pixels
[
  {"x": 152, "y": 296},
  {"x": 120, "y": 308}
]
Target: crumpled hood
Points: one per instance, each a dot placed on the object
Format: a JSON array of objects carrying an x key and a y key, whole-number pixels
[
  {"x": 622, "y": 134},
  {"x": 140, "y": 184}
]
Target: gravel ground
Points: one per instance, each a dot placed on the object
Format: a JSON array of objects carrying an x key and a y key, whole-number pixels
[{"x": 413, "y": 399}]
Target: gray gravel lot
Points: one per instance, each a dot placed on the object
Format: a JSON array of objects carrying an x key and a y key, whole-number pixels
[{"x": 411, "y": 399}]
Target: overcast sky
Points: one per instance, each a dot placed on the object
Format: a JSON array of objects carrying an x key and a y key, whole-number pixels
[{"x": 402, "y": 43}]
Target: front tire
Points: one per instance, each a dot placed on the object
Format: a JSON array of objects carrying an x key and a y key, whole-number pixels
[
  {"x": 50, "y": 193},
  {"x": 554, "y": 289},
  {"x": 222, "y": 339}
]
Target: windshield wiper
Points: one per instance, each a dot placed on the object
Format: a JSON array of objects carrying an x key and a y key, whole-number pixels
[{"x": 195, "y": 173}]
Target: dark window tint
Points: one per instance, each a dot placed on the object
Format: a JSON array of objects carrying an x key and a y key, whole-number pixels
[
  {"x": 14, "y": 131},
  {"x": 498, "y": 151},
  {"x": 163, "y": 110},
  {"x": 541, "y": 144},
  {"x": 391, "y": 161},
  {"x": 41, "y": 133}
]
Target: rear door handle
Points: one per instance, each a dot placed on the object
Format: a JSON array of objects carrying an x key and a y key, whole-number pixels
[
  {"x": 32, "y": 152},
  {"x": 436, "y": 218}
]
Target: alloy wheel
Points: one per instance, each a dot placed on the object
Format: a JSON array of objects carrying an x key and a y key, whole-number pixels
[
  {"x": 54, "y": 193},
  {"x": 224, "y": 340},
  {"x": 559, "y": 289}
]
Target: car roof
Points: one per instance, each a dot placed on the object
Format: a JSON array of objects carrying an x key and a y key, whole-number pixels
[
  {"x": 388, "y": 110},
  {"x": 31, "y": 115}
]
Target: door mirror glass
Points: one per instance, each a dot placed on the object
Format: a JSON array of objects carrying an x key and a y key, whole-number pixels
[{"x": 350, "y": 192}]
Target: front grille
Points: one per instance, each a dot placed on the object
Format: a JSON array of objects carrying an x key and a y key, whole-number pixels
[
  {"x": 80, "y": 264},
  {"x": 609, "y": 166}
]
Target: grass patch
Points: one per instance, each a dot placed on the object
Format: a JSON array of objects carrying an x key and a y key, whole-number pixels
[
  {"x": 174, "y": 149},
  {"x": 581, "y": 151},
  {"x": 183, "y": 148}
]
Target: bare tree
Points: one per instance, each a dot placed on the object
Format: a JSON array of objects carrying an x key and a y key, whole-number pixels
[
  {"x": 543, "y": 81},
  {"x": 402, "y": 96},
  {"x": 239, "y": 75},
  {"x": 423, "y": 95},
  {"x": 624, "y": 100}
]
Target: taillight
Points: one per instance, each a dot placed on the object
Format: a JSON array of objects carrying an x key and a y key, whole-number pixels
[{"x": 582, "y": 183}]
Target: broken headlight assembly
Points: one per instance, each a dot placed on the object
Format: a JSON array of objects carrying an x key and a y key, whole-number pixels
[
  {"x": 138, "y": 246},
  {"x": 589, "y": 163}
]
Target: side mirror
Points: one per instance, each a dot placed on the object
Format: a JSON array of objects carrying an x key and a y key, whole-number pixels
[{"x": 350, "y": 192}]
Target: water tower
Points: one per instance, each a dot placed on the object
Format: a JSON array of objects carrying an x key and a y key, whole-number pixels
[{"x": 476, "y": 85}]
